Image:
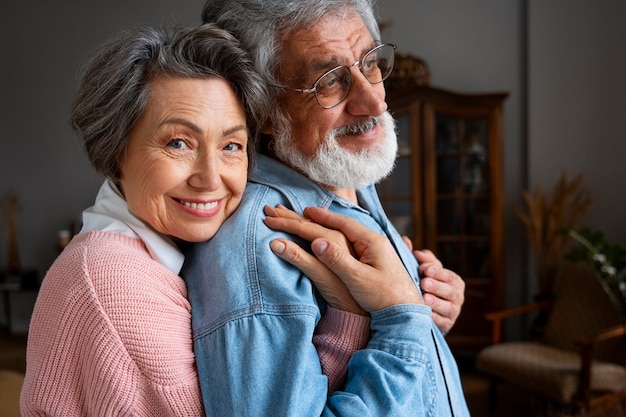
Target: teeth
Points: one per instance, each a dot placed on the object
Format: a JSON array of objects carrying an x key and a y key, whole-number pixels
[{"x": 200, "y": 206}]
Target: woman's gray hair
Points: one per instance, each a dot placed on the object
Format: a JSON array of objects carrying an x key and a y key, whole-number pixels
[
  {"x": 114, "y": 88},
  {"x": 261, "y": 25}
]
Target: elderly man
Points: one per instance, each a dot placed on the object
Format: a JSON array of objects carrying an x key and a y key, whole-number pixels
[{"x": 328, "y": 141}]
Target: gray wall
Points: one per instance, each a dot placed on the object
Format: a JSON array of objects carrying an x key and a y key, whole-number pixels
[
  {"x": 562, "y": 61},
  {"x": 577, "y": 96}
]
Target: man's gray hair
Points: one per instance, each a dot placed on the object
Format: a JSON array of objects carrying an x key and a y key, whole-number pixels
[{"x": 261, "y": 24}]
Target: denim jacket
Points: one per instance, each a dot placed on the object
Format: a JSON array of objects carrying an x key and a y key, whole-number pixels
[{"x": 254, "y": 315}]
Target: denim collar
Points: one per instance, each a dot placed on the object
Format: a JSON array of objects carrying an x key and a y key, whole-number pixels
[{"x": 300, "y": 190}]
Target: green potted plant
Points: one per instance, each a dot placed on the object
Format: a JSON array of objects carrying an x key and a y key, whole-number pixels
[{"x": 607, "y": 259}]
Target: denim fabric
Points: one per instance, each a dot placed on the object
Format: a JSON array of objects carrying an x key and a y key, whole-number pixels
[{"x": 254, "y": 315}]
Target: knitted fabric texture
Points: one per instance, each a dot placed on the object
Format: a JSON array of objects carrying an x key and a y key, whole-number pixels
[
  {"x": 110, "y": 335},
  {"x": 338, "y": 335}
]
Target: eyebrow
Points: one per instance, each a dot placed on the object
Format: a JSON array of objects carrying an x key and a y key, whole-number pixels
[
  {"x": 371, "y": 46},
  {"x": 178, "y": 121},
  {"x": 235, "y": 129},
  {"x": 197, "y": 129},
  {"x": 325, "y": 65},
  {"x": 333, "y": 62}
]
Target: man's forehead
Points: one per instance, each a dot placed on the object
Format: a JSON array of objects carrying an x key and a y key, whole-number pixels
[
  {"x": 329, "y": 33},
  {"x": 316, "y": 48}
]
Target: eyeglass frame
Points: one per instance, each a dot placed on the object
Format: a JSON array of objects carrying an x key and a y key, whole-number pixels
[{"x": 313, "y": 89}]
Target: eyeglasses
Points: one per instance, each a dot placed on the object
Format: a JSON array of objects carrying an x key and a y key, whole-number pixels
[{"x": 333, "y": 86}]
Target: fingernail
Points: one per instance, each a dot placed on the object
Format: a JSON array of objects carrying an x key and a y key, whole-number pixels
[
  {"x": 319, "y": 246},
  {"x": 278, "y": 247},
  {"x": 428, "y": 299}
]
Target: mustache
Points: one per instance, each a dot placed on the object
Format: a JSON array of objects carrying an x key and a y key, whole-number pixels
[{"x": 357, "y": 128}]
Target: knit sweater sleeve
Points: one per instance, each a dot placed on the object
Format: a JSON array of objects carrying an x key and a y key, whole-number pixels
[
  {"x": 338, "y": 335},
  {"x": 110, "y": 335}
]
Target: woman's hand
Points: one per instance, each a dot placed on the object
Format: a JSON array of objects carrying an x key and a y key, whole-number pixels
[{"x": 443, "y": 289}]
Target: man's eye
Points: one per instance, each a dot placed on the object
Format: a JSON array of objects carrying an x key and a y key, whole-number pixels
[
  {"x": 370, "y": 63},
  {"x": 177, "y": 144},
  {"x": 328, "y": 82},
  {"x": 338, "y": 79}
]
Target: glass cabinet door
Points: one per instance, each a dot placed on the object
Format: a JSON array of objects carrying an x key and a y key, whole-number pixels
[
  {"x": 463, "y": 208},
  {"x": 461, "y": 152}
]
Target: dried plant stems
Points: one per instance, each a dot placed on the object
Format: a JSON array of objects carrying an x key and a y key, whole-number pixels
[{"x": 546, "y": 217}]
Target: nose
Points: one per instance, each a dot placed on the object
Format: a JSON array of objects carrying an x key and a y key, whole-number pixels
[
  {"x": 365, "y": 98},
  {"x": 206, "y": 173}
]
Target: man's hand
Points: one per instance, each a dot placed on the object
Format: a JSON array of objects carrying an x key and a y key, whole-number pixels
[
  {"x": 443, "y": 289},
  {"x": 374, "y": 275},
  {"x": 327, "y": 283}
]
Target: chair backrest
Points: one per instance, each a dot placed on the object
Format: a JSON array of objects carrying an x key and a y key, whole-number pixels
[{"x": 582, "y": 309}]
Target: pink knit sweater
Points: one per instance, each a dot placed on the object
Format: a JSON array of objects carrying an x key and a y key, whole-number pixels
[{"x": 111, "y": 335}]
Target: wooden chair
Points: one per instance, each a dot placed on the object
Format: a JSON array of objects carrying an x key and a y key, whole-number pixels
[{"x": 579, "y": 361}]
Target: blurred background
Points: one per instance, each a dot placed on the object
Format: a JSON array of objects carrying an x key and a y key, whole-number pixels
[{"x": 561, "y": 61}]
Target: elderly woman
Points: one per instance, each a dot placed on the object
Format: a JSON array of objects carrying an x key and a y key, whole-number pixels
[{"x": 165, "y": 116}]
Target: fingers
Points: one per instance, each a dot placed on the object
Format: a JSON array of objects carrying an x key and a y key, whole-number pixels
[
  {"x": 444, "y": 312},
  {"x": 281, "y": 218},
  {"x": 348, "y": 226},
  {"x": 377, "y": 279},
  {"x": 440, "y": 281},
  {"x": 427, "y": 258},
  {"x": 359, "y": 236},
  {"x": 444, "y": 324},
  {"x": 444, "y": 299},
  {"x": 444, "y": 290},
  {"x": 444, "y": 284},
  {"x": 328, "y": 284}
]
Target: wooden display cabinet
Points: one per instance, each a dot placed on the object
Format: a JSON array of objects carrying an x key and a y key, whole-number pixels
[{"x": 446, "y": 193}]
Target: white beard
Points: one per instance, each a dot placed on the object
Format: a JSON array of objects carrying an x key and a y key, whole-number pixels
[{"x": 336, "y": 167}]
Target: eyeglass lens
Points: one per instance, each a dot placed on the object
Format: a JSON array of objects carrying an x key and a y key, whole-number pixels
[{"x": 333, "y": 87}]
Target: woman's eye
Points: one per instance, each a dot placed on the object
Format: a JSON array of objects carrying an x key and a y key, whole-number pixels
[
  {"x": 233, "y": 147},
  {"x": 177, "y": 144}
]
